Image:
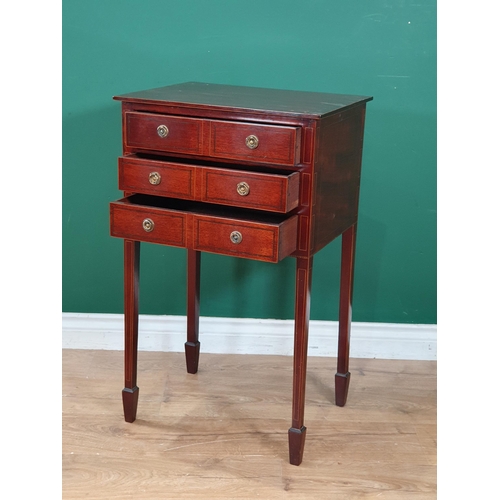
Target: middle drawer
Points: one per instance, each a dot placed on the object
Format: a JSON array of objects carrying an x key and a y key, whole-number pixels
[{"x": 271, "y": 192}]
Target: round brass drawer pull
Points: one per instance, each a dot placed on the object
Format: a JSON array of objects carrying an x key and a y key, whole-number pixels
[
  {"x": 252, "y": 141},
  {"x": 162, "y": 131},
  {"x": 236, "y": 237},
  {"x": 154, "y": 178},
  {"x": 243, "y": 188},
  {"x": 148, "y": 225}
]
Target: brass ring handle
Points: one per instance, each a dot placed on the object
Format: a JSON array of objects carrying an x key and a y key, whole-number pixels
[
  {"x": 242, "y": 188},
  {"x": 162, "y": 131},
  {"x": 154, "y": 178},
  {"x": 236, "y": 237},
  {"x": 252, "y": 141},
  {"x": 148, "y": 225}
]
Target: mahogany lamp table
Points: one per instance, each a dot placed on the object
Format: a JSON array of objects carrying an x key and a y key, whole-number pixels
[{"x": 253, "y": 173}]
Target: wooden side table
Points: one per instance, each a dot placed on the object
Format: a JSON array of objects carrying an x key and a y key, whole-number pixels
[{"x": 248, "y": 172}]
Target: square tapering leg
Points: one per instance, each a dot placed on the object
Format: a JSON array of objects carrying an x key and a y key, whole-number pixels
[
  {"x": 130, "y": 398},
  {"x": 297, "y": 434},
  {"x": 192, "y": 346},
  {"x": 192, "y": 350},
  {"x": 342, "y": 376},
  {"x": 130, "y": 393},
  {"x": 296, "y": 442},
  {"x": 341, "y": 388}
]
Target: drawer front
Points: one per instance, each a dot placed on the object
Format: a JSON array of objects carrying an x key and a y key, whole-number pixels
[
  {"x": 166, "y": 133},
  {"x": 193, "y": 225},
  {"x": 255, "y": 142},
  {"x": 148, "y": 224},
  {"x": 270, "y": 192},
  {"x": 223, "y": 186},
  {"x": 156, "y": 177},
  {"x": 272, "y": 144},
  {"x": 266, "y": 242}
]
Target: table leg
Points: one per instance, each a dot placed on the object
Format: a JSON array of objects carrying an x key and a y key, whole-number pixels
[
  {"x": 130, "y": 393},
  {"x": 192, "y": 346},
  {"x": 342, "y": 376},
  {"x": 297, "y": 433}
]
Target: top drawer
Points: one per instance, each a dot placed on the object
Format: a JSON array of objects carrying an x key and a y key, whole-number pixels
[{"x": 255, "y": 142}]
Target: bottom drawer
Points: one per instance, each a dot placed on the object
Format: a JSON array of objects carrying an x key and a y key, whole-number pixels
[{"x": 200, "y": 226}]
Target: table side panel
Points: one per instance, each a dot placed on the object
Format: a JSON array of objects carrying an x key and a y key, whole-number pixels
[{"x": 337, "y": 171}]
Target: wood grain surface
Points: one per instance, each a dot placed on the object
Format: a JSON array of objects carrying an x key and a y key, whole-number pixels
[
  {"x": 230, "y": 97},
  {"x": 222, "y": 433}
]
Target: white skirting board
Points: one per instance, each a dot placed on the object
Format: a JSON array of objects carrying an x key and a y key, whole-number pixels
[{"x": 251, "y": 336}]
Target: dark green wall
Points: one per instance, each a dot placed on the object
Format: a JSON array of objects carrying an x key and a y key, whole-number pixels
[{"x": 384, "y": 48}]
